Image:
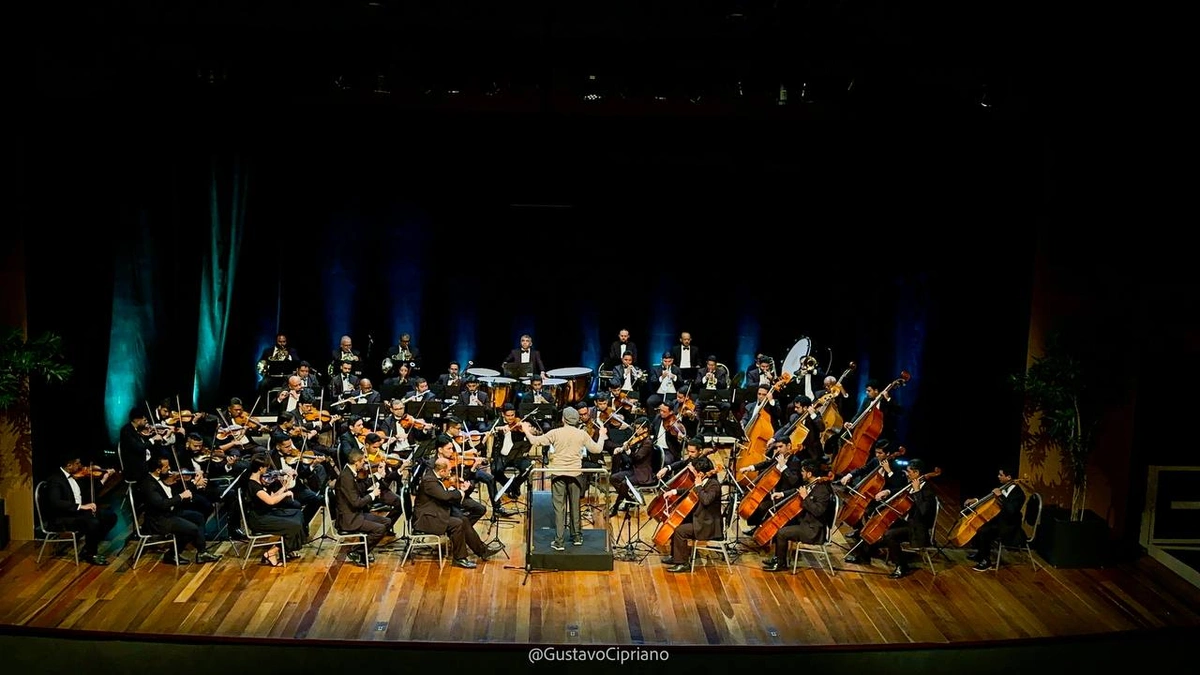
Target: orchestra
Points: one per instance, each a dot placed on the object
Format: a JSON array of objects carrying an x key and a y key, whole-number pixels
[{"x": 673, "y": 430}]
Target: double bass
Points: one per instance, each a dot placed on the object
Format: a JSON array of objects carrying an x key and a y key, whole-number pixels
[
  {"x": 828, "y": 407},
  {"x": 865, "y": 430},
  {"x": 895, "y": 508},
  {"x": 975, "y": 516},
  {"x": 783, "y": 513},
  {"x": 763, "y": 486},
  {"x": 759, "y": 433},
  {"x": 855, "y": 506},
  {"x": 682, "y": 509}
]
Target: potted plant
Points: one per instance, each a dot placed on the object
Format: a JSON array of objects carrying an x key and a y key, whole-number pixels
[
  {"x": 1061, "y": 413},
  {"x": 21, "y": 360}
]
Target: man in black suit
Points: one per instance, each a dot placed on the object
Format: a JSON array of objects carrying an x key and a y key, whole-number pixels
[
  {"x": 913, "y": 527},
  {"x": 1006, "y": 526},
  {"x": 781, "y": 454},
  {"x": 893, "y": 479},
  {"x": 703, "y": 523},
  {"x": 353, "y": 500},
  {"x": 526, "y": 354},
  {"x": 280, "y": 351},
  {"x": 137, "y": 445},
  {"x": 434, "y": 500},
  {"x": 346, "y": 352},
  {"x": 804, "y": 415},
  {"x": 688, "y": 357},
  {"x": 68, "y": 504},
  {"x": 621, "y": 347},
  {"x": 168, "y": 510},
  {"x": 814, "y": 519}
]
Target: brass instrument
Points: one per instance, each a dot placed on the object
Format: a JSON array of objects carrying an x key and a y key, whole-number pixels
[
  {"x": 808, "y": 364},
  {"x": 403, "y": 355},
  {"x": 710, "y": 380}
]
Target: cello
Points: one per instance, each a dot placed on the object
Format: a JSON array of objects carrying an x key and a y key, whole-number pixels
[
  {"x": 683, "y": 508},
  {"x": 763, "y": 486},
  {"x": 976, "y": 515},
  {"x": 783, "y": 513},
  {"x": 895, "y": 508},
  {"x": 861, "y": 494},
  {"x": 865, "y": 430},
  {"x": 661, "y": 505}
]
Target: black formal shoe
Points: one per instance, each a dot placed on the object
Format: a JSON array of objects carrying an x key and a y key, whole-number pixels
[
  {"x": 464, "y": 563},
  {"x": 296, "y": 555},
  {"x": 854, "y": 559},
  {"x": 612, "y": 513},
  {"x": 238, "y": 535},
  {"x": 983, "y": 566},
  {"x": 172, "y": 560},
  {"x": 749, "y": 532},
  {"x": 679, "y": 568},
  {"x": 853, "y": 536},
  {"x": 505, "y": 513},
  {"x": 898, "y": 572},
  {"x": 207, "y": 557},
  {"x": 773, "y": 567},
  {"x": 98, "y": 560},
  {"x": 668, "y": 560},
  {"x": 770, "y": 561}
]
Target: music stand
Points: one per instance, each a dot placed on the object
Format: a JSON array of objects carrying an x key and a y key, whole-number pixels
[
  {"x": 518, "y": 370},
  {"x": 431, "y": 408},
  {"x": 633, "y": 539},
  {"x": 540, "y": 411},
  {"x": 495, "y": 519},
  {"x": 469, "y": 413}
]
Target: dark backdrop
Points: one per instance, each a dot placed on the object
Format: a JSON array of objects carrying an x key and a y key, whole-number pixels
[{"x": 898, "y": 251}]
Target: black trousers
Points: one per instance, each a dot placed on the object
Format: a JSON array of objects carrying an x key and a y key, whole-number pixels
[
  {"x": 462, "y": 536},
  {"x": 500, "y": 464},
  {"x": 188, "y": 527},
  {"x": 93, "y": 526}
]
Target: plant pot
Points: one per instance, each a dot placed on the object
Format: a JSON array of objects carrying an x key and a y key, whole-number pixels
[{"x": 1063, "y": 542}]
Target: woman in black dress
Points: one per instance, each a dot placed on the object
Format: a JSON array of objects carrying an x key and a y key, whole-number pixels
[{"x": 265, "y": 517}]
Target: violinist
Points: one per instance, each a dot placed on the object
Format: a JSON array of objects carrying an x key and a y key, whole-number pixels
[
  {"x": 569, "y": 444},
  {"x": 355, "y": 438},
  {"x": 663, "y": 379},
  {"x": 1003, "y": 527},
  {"x": 668, "y": 436},
  {"x": 804, "y": 414},
  {"x": 781, "y": 454},
  {"x": 273, "y": 512},
  {"x": 684, "y": 408},
  {"x": 913, "y": 527},
  {"x": 288, "y": 398},
  {"x": 191, "y": 475},
  {"x": 434, "y": 515},
  {"x": 236, "y": 434},
  {"x": 637, "y": 453},
  {"x": 466, "y": 508},
  {"x": 137, "y": 445},
  {"x": 286, "y": 456},
  {"x": 591, "y": 460},
  {"x": 68, "y": 503},
  {"x": 354, "y": 499},
  {"x": 474, "y": 467},
  {"x": 396, "y": 434},
  {"x": 313, "y": 425},
  {"x": 170, "y": 508},
  {"x": 703, "y": 523},
  {"x": 809, "y": 526},
  {"x": 510, "y": 450},
  {"x": 177, "y": 423}
]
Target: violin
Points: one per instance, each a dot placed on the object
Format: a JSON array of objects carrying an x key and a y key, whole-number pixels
[
  {"x": 687, "y": 407},
  {"x": 273, "y": 476},
  {"x": 173, "y": 477},
  {"x": 639, "y": 436},
  {"x": 674, "y": 425},
  {"x": 92, "y": 471},
  {"x": 244, "y": 420},
  {"x": 409, "y": 422},
  {"x": 178, "y": 417},
  {"x": 322, "y": 415},
  {"x": 217, "y": 454}
]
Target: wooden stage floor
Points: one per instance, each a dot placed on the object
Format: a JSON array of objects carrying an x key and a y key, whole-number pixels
[{"x": 324, "y": 597}]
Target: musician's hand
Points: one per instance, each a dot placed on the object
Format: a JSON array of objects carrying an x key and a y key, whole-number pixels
[
  {"x": 201, "y": 481},
  {"x": 374, "y": 491},
  {"x": 108, "y": 474},
  {"x": 845, "y": 480},
  {"x": 804, "y": 493},
  {"x": 670, "y": 493},
  {"x": 746, "y": 469},
  {"x": 198, "y": 416},
  {"x": 998, "y": 492},
  {"x": 776, "y": 496},
  {"x": 846, "y": 426},
  {"x": 466, "y": 485},
  {"x": 186, "y": 494},
  {"x": 971, "y": 502},
  {"x": 882, "y": 495},
  {"x": 662, "y": 472},
  {"x": 87, "y": 507}
]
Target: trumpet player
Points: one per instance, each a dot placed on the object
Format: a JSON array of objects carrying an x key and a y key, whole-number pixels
[
  {"x": 628, "y": 377},
  {"x": 663, "y": 379},
  {"x": 712, "y": 377}
]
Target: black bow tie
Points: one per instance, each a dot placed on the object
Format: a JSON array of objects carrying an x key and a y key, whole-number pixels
[{"x": 524, "y": 351}]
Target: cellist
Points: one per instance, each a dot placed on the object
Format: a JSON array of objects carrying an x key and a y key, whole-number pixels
[
  {"x": 814, "y": 518},
  {"x": 690, "y": 454},
  {"x": 886, "y": 406},
  {"x": 789, "y": 464},
  {"x": 912, "y": 528},
  {"x": 806, "y": 415},
  {"x": 703, "y": 523},
  {"x": 1012, "y": 499},
  {"x": 894, "y": 479}
]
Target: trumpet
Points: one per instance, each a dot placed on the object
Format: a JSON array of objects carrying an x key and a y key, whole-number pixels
[
  {"x": 808, "y": 364},
  {"x": 710, "y": 380},
  {"x": 639, "y": 375}
]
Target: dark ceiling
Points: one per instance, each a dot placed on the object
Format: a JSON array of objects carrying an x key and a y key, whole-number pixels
[{"x": 695, "y": 56}]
